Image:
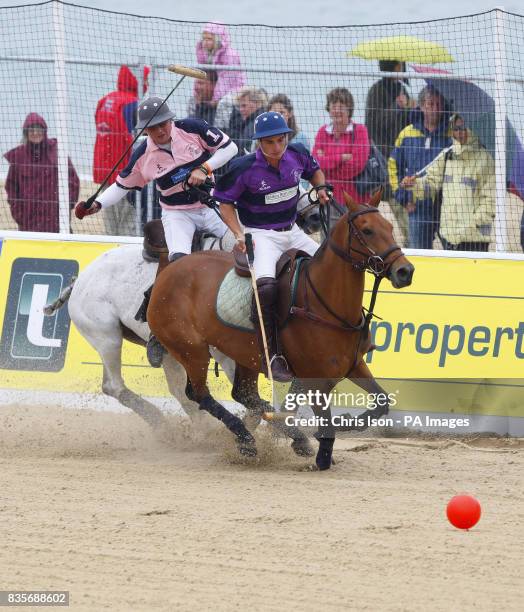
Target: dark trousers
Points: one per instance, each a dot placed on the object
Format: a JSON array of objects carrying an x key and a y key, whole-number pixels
[{"x": 465, "y": 246}]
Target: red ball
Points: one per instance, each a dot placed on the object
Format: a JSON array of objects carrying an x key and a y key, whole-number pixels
[{"x": 463, "y": 511}]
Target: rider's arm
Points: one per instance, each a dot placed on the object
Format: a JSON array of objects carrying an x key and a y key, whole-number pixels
[
  {"x": 112, "y": 195},
  {"x": 217, "y": 160},
  {"x": 222, "y": 155},
  {"x": 229, "y": 214},
  {"x": 318, "y": 178}
]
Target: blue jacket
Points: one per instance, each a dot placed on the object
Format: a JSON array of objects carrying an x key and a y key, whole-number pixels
[{"x": 414, "y": 148}]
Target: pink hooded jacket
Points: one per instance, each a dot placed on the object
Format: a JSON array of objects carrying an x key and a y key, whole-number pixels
[{"x": 224, "y": 55}]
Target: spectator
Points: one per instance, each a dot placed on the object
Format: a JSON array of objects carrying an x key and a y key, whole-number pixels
[
  {"x": 32, "y": 179},
  {"x": 226, "y": 107},
  {"x": 250, "y": 103},
  {"x": 342, "y": 147},
  {"x": 200, "y": 106},
  {"x": 416, "y": 146},
  {"x": 466, "y": 175},
  {"x": 387, "y": 113},
  {"x": 115, "y": 118},
  {"x": 280, "y": 103},
  {"x": 215, "y": 48}
]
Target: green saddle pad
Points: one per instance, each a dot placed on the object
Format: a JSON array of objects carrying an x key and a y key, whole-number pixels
[{"x": 234, "y": 301}]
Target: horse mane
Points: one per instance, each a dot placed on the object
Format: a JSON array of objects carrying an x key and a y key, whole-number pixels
[{"x": 324, "y": 244}]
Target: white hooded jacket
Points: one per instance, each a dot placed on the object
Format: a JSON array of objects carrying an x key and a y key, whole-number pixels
[{"x": 466, "y": 176}]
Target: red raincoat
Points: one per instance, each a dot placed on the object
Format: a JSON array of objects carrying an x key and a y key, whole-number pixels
[
  {"x": 112, "y": 133},
  {"x": 32, "y": 182}
]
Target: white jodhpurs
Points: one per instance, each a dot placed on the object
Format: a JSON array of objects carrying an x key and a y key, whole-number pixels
[
  {"x": 180, "y": 226},
  {"x": 269, "y": 246}
]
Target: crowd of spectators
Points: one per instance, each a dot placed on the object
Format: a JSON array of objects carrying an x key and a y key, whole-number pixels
[{"x": 440, "y": 179}]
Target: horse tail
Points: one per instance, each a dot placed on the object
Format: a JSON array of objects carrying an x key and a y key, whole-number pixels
[{"x": 61, "y": 299}]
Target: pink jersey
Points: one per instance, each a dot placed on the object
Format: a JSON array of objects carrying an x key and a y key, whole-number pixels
[{"x": 193, "y": 142}]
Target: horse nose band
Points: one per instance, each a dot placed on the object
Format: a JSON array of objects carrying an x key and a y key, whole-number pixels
[{"x": 374, "y": 262}]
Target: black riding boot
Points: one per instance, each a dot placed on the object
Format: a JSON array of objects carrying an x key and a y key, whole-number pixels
[
  {"x": 267, "y": 295},
  {"x": 154, "y": 350}
]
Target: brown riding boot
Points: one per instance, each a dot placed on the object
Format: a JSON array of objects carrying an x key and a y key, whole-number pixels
[{"x": 267, "y": 295}]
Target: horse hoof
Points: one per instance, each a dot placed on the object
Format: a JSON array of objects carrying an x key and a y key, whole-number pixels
[
  {"x": 325, "y": 453},
  {"x": 247, "y": 450},
  {"x": 302, "y": 448},
  {"x": 158, "y": 423},
  {"x": 247, "y": 447},
  {"x": 324, "y": 459}
]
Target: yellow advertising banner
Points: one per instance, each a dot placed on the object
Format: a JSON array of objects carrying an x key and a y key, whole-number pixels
[
  {"x": 81, "y": 369},
  {"x": 461, "y": 319}
]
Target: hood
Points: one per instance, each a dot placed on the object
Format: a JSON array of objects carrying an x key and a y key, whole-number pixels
[
  {"x": 128, "y": 82},
  {"x": 35, "y": 119},
  {"x": 27, "y": 153},
  {"x": 219, "y": 30},
  {"x": 473, "y": 144}
]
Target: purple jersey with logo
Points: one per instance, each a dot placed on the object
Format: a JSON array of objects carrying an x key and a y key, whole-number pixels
[{"x": 266, "y": 197}]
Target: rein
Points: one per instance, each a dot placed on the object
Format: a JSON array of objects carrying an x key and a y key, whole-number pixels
[{"x": 371, "y": 262}]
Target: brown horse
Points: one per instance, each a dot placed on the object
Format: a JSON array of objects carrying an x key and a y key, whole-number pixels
[{"x": 324, "y": 338}]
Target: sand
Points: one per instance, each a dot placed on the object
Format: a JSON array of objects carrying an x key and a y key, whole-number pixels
[{"x": 94, "y": 503}]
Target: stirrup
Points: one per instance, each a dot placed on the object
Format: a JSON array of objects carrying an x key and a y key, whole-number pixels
[{"x": 280, "y": 369}]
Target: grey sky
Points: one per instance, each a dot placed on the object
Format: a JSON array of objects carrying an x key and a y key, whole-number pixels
[{"x": 297, "y": 12}]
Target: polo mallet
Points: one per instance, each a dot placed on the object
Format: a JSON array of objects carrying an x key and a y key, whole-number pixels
[
  {"x": 433, "y": 161},
  {"x": 195, "y": 73},
  {"x": 250, "y": 259}
]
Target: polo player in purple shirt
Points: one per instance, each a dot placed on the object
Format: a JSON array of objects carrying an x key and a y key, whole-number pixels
[{"x": 263, "y": 188}]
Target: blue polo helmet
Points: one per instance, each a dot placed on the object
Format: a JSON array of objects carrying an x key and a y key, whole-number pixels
[{"x": 270, "y": 124}]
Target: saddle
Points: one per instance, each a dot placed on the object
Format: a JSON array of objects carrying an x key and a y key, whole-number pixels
[
  {"x": 285, "y": 275},
  {"x": 154, "y": 244}
]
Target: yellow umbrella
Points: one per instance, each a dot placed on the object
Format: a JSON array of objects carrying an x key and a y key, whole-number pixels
[{"x": 403, "y": 49}]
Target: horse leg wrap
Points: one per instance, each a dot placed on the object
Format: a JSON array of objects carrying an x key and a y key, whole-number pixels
[
  {"x": 190, "y": 394},
  {"x": 325, "y": 453},
  {"x": 232, "y": 422}
]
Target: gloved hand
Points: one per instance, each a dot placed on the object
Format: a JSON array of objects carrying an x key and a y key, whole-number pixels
[
  {"x": 403, "y": 196},
  {"x": 81, "y": 211}
]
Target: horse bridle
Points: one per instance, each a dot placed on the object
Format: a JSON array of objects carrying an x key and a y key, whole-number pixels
[
  {"x": 375, "y": 263},
  {"x": 371, "y": 261}
]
